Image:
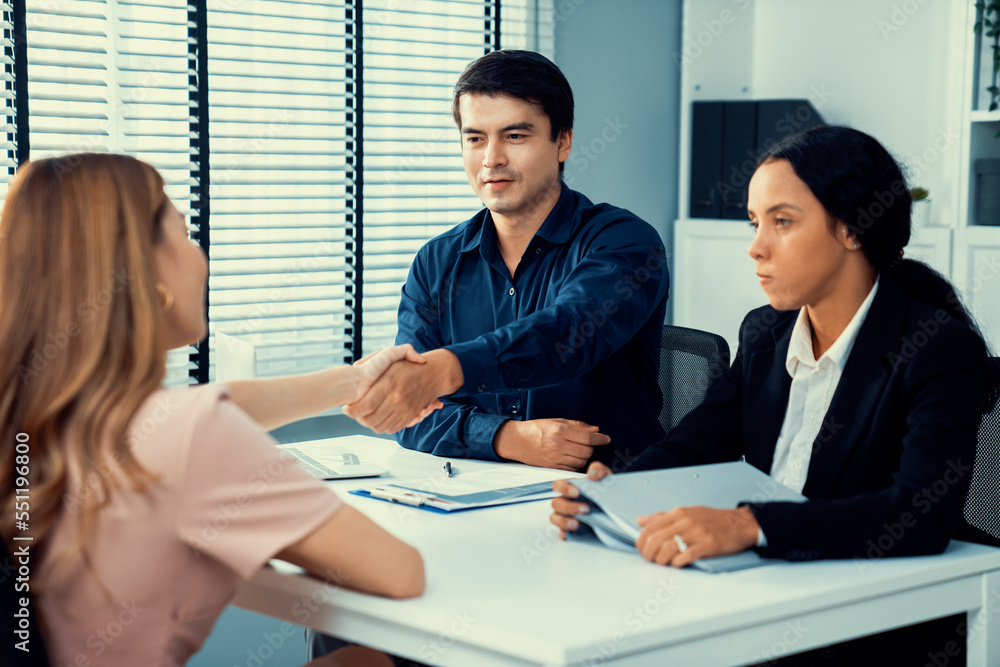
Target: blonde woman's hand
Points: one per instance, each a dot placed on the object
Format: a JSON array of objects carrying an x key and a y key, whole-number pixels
[
  {"x": 404, "y": 393},
  {"x": 370, "y": 368}
]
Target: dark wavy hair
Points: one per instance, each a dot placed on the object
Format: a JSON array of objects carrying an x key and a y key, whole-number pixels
[
  {"x": 524, "y": 75},
  {"x": 860, "y": 184}
]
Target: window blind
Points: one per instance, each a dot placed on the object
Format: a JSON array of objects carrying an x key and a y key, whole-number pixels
[
  {"x": 333, "y": 156},
  {"x": 113, "y": 76},
  {"x": 414, "y": 182},
  {"x": 529, "y": 24},
  {"x": 277, "y": 113},
  {"x": 11, "y": 45}
]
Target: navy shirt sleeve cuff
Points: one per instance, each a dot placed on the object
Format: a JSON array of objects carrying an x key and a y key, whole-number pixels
[
  {"x": 481, "y": 429},
  {"x": 479, "y": 366}
]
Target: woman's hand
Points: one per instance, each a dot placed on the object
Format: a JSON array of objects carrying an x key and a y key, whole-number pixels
[
  {"x": 371, "y": 367},
  {"x": 681, "y": 536},
  {"x": 564, "y": 508}
]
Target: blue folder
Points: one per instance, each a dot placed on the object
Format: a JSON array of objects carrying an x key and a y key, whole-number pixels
[{"x": 617, "y": 500}]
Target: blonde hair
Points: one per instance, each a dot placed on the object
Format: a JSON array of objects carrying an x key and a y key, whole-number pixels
[{"x": 81, "y": 331}]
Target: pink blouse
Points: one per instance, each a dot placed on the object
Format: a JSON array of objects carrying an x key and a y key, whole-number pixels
[{"x": 225, "y": 500}]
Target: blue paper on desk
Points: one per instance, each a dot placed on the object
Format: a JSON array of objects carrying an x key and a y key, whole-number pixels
[
  {"x": 617, "y": 501},
  {"x": 498, "y": 485}
]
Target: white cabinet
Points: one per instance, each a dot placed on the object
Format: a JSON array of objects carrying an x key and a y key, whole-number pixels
[
  {"x": 931, "y": 245},
  {"x": 976, "y": 262},
  {"x": 714, "y": 277},
  {"x": 977, "y": 276}
]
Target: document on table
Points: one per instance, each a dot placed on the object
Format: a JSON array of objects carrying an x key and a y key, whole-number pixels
[
  {"x": 500, "y": 485},
  {"x": 616, "y": 502},
  {"x": 331, "y": 462}
]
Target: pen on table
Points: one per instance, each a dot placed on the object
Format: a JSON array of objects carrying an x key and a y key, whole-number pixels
[
  {"x": 448, "y": 470},
  {"x": 403, "y": 496}
]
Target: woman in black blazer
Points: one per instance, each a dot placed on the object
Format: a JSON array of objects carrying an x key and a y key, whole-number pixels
[
  {"x": 888, "y": 447},
  {"x": 831, "y": 214}
]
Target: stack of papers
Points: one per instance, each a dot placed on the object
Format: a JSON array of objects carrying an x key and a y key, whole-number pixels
[
  {"x": 500, "y": 485},
  {"x": 617, "y": 501}
]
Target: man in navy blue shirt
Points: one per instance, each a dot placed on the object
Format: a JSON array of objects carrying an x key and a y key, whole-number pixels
[{"x": 541, "y": 315}]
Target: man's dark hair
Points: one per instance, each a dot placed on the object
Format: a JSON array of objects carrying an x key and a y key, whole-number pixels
[{"x": 524, "y": 75}]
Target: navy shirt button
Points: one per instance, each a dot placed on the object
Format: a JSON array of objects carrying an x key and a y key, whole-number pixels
[
  {"x": 513, "y": 409},
  {"x": 538, "y": 251},
  {"x": 511, "y": 292},
  {"x": 481, "y": 387}
]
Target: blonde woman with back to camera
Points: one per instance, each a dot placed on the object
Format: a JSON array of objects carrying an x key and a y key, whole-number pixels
[{"x": 124, "y": 473}]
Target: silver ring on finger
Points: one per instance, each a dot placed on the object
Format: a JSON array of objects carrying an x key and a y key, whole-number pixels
[{"x": 681, "y": 544}]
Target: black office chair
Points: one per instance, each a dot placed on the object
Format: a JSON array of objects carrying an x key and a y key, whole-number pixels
[
  {"x": 10, "y": 655},
  {"x": 690, "y": 360},
  {"x": 981, "y": 516}
]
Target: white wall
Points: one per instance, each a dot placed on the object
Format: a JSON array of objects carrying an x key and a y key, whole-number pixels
[
  {"x": 891, "y": 68},
  {"x": 887, "y": 67},
  {"x": 617, "y": 57}
]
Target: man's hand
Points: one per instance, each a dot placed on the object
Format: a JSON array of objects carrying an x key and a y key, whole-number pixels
[
  {"x": 406, "y": 390},
  {"x": 564, "y": 509},
  {"x": 704, "y": 532},
  {"x": 565, "y": 444},
  {"x": 369, "y": 369}
]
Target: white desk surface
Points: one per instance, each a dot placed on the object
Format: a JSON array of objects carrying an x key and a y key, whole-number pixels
[{"x": 502, "y": 589}]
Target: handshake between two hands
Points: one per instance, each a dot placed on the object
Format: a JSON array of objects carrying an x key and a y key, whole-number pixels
[{"x": 397, "y": 387}]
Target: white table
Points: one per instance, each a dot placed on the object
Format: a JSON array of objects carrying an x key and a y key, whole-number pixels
[{"x": 502, "y": 589}]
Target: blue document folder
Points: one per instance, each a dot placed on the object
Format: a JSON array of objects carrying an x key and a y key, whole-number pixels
[
  {"x": 617, "y": 500},
  {"x": 498, "y": 485}
]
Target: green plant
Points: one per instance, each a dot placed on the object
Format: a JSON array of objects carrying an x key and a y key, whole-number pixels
[{"x": 988, "y": 23}]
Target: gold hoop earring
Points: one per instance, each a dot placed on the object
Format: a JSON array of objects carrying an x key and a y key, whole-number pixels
[{"x": 168, "y": 298}]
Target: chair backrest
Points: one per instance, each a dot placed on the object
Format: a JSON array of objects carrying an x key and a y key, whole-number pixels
[
  {"x": 10, "y": 604},
  {"x": 690, "y": 360},
  {"x": 982, "y": 507}
]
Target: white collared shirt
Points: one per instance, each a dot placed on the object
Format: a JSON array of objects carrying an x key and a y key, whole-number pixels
[{"x": 814, "y": 382}]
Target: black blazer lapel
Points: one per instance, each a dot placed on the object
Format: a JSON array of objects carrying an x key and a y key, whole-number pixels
[
  {"x": 765, "y": 409},
  {"x": 858, "y": 393}
]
